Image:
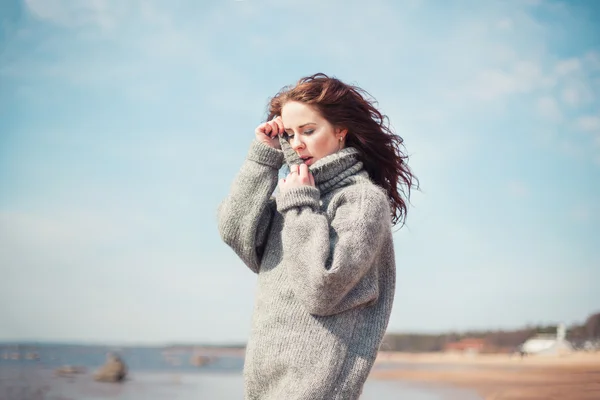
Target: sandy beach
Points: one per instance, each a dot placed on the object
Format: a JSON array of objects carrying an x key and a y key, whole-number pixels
[{"x": 500, "y": 377}]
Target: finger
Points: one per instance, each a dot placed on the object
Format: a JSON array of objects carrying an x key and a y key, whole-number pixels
[
  {"x": 281, "y": 182},
  {"x": 274, "y": 129},
  {"x": 303, "y": 172},
  {"x": 279, "y": 122},
  {"x": 293, "y": 176},
  {"x": 261, "y": 128},
  {"x": 267, "y": 129}
]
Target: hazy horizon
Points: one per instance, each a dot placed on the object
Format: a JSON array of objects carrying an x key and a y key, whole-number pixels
[
  {"x": 77, "y": 342},
  {"x": 125, "y": 343}
]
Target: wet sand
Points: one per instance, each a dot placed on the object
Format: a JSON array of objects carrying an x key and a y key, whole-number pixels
[
  {"x": 500, "y": 377},
  {"x": 35, "y": 383}
]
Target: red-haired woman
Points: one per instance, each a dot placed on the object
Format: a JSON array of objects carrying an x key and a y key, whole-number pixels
[{"x": 322, "y": 246}]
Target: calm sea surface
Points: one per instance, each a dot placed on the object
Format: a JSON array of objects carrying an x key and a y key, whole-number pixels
[{"x": 155, "y": 375}]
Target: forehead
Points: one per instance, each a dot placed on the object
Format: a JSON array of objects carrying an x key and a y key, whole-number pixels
[{"x": 295, "y": 113}]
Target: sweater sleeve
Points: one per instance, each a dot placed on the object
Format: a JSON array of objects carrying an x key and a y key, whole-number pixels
[
  {"x": 245, "y": 215},
  {"x": 332, "y": 263}
]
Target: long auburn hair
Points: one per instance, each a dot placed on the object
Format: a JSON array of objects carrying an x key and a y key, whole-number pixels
[{"x": 352, "y": 108}]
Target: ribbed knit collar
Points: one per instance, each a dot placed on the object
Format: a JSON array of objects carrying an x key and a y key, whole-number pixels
[{"x": 336, "y": 170}]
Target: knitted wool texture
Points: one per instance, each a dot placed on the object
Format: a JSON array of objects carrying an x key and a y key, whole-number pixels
[{"x": 324, "y": 260}]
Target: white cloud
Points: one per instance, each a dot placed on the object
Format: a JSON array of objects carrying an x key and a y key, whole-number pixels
[
  {"x": 505, "y": 24},
  {"x": 592, "y": 60},
  {"x": 518, "y": 189},
  {"x": 581, "y": 213},
  {"x": 590, "y": 123},
  {"x": 100, "y": 13},
  {"x": 576, "y": 93},
  {"x": 568, "y": 66},
  {"x": 571, "y": 96},
  {"x": 571, "y": 148},
  {"x": 158, "y": 41},
  {"x": 548, "y": 107},
  {"x": 575, "y": 78},
  {"x": 522, "y": 77},
  {"x": 491, "y": 84}
]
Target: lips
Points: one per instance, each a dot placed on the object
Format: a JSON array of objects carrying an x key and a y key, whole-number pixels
[{"x": 307, "y": 160}]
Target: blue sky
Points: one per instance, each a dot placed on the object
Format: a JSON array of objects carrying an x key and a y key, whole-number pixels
[{"x": 123, "y": 124}]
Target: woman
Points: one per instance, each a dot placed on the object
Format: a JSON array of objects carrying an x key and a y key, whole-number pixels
[{"x": 322, "y": 247}]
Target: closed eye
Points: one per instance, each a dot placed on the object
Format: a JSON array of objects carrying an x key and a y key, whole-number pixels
[{"x": 290, "y": 136}]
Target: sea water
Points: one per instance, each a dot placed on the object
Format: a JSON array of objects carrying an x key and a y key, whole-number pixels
[{"x": 152, "y": 378}]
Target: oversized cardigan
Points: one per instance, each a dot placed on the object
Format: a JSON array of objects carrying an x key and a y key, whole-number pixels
[{"x": 324, "y": 260}]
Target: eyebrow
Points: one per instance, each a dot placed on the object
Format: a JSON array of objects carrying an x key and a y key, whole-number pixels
[{"x": 300, "y": 126}]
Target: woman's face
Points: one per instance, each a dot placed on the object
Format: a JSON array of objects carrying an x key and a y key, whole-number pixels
[{"x": 311, "y": 136}]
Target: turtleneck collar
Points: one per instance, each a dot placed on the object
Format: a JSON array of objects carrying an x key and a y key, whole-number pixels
[{"x": 336, "y": 170}]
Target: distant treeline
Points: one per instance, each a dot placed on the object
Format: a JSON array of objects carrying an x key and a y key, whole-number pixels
[{"x": 495, "y": 341}]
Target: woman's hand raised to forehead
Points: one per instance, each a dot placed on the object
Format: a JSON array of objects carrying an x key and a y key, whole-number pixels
[
  {"x": 268, "y": 132},
  {"x": 299, "y": 176}
]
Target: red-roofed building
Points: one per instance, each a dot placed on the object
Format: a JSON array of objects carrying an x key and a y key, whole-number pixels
[{"x": 467, "y": 345}]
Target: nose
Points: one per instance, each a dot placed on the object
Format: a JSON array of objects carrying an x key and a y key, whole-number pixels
[{"x": 296, "y": 143}]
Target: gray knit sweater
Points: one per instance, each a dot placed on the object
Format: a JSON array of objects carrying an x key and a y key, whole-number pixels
[{"x": 326, "y": 274}]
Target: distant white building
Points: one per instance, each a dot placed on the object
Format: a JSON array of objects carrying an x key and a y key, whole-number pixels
[{"x": 547, "y": 343}]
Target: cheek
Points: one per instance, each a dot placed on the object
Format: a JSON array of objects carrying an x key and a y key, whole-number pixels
[
  {"x": 322, "y": 145},
  {"x": 328, "y": 146}
]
